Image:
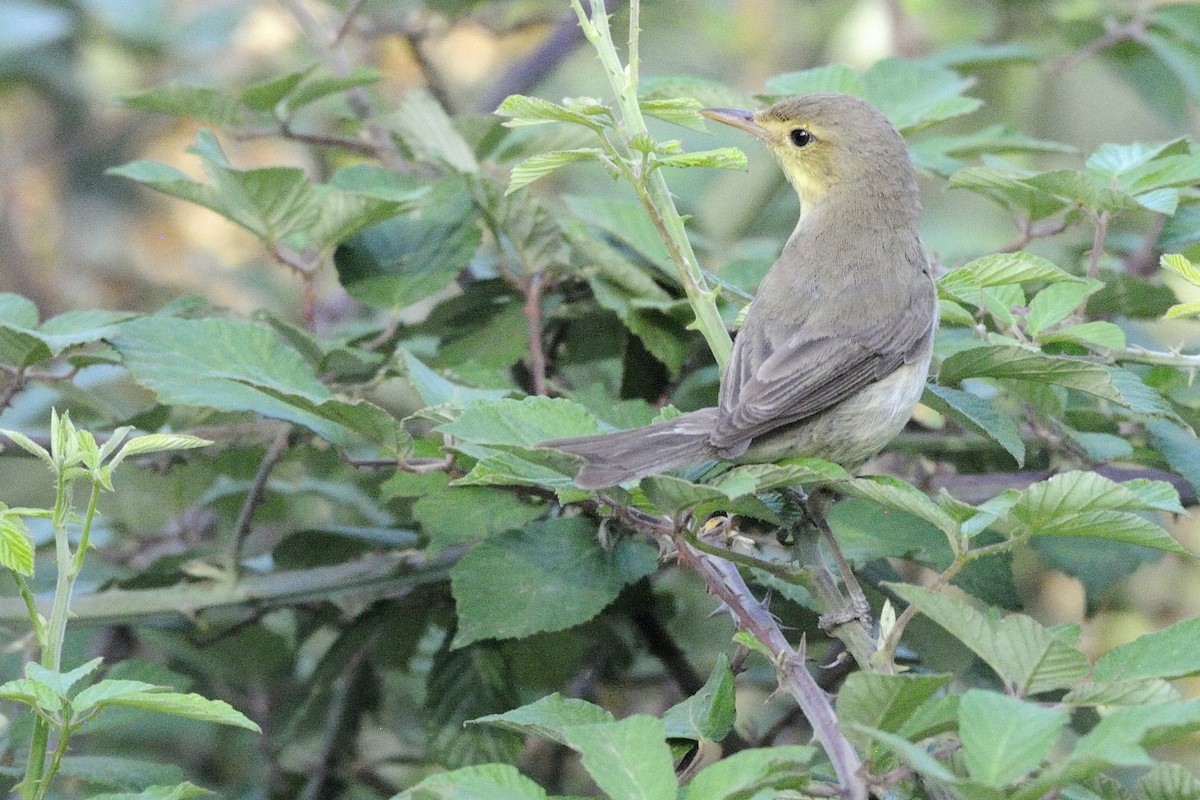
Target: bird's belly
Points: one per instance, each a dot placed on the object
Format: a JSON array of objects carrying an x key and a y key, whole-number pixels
[{"x": 855, "y": 429}]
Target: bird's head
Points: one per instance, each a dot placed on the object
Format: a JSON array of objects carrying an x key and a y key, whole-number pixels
[{"x": 826, "y": 140}]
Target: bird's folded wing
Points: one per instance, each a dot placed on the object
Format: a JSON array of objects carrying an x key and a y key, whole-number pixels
[{"x": 767, "y": 389}]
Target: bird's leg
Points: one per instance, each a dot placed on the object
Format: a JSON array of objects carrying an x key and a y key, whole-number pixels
[{"x": 858, "y": 608}]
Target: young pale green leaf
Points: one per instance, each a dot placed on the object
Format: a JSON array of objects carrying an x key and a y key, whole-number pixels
[
  {"x": 749, "y": 479},
  {"x": 179, "y": 791},
  {"x": 760, "y": 772},
  {"x": 158, "y": 443},
  {"x": 999, "y": 269},
  {"x": 491, "y": 781},
  {"x": 547, "y": 576},
  {"x": 1169, "y": 653},
  {"x": 682, "y": 111},
  {"x": 548, "y": 717},
  {"x": 884, "y": 702},
  {"x": 1026, "y": 656},
  {"x": 628, "y": 759},
  {"x": 1005, "y": 738},
  {"x": 1181, "y": 266},
  {"x": 1182, "y": 311},
  {"x": 29, "y": 446},
  {"x": 61, "y": 682},
  {"x": 32, "y": 693},
  {"x": 977, "y": 414},
  {"x": 720, "y": 158},
  {"x": 708, "y": 714},
  {"x": 543, "y": 164},
  {"x": 16, "y": 544},
  {"x": 522, "y": 110},
  {"x": 190, "y": 705}
]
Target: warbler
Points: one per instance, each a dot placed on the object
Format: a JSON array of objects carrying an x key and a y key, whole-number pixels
[{"x": 834, "y": 351}]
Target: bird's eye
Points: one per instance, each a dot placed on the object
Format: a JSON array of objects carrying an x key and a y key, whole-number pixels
[{"x": 801, "y": 137}]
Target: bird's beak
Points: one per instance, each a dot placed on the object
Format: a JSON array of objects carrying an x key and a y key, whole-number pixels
[{"x": 738, "y": 119}]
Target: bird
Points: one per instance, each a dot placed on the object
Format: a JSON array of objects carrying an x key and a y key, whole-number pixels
[{"x": 834, "y": 351}]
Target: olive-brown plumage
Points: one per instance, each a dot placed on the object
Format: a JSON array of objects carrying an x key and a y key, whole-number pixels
[{"x": 834, "y": 351}]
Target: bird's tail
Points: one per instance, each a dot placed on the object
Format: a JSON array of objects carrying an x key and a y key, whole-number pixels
[{"x": 613, "y": 458}]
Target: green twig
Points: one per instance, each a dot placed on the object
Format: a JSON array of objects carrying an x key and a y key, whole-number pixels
[{"x": 650, "y": 185}]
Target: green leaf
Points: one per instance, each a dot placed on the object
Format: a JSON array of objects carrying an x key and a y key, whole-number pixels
[
  {"x": 1179, "y": 446},
  {"x": 189, "y": 705},
  {"x": 1086, "y": 504},
  {"x": 1135, "y": 692},
  {"x": 883, "y": 702},
  {"x": 120, "y": 773},
  {"x": 1182, "y": 311},
  {"x": 671, "y": 495},
  {"x": 32, "y": 693},
  {"x": 1056, "y": 302},
  {"x": 894, "y": 493},
  {"x": 708, "y": 714},
  {"x": 831, "y": 78},
  {"x": 1019, "y": 363},
  {"x": 1004, "y": 738},
  {"x": 311, "y": 89},
  {"x": 627, "y": 222},
  {"x": 914, "y": 755},
  {"x": 264, "y": 96},
  {"x": 16, "y": 544},
  {"x": 436, "y": 391},
  {"x": 1169, "y": 653},
  {"x": 548, "y": 576},
  {"x": 1096, "y": 334},
  {"x": 181, "y": 791},
  {"x": 543, "y": 164},
  {"x": 464, "y": 683},
  {"x": 682, "y": 111},
  {"x": 522, "y": 110},
  {"x": 1181, "y": 266},
  {"x": 1010, "y": 188},
  {"x": 628, "y": 760},
  {"x": 751, "y": 773},
  {"x": 1168, "y": 781},
  {"x": 408, "y": 258},
  {"x": 720, "y": 158},
  {"x": 749, "y": 479},
  {"x": 978, "y": 414},
  {"x": 207, "y": 105},
  {"x": 456, "y": 515},
  {"x": 279, "y": 205},
  {"x": 548, "y": 717},
  {"x": 1026, "y": 656},
  {"x": 1000, "y": 269},
  {"x": 61, "y": 683},
  {"x": 224, "y": 364},
  {"x": 916, "y": 95},
  {"x": 527, "y": 422},
  {"x": 430, "y": 133},
  {"x": 1120, "y": 737},
  {"x": 491, "y": 781}
]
